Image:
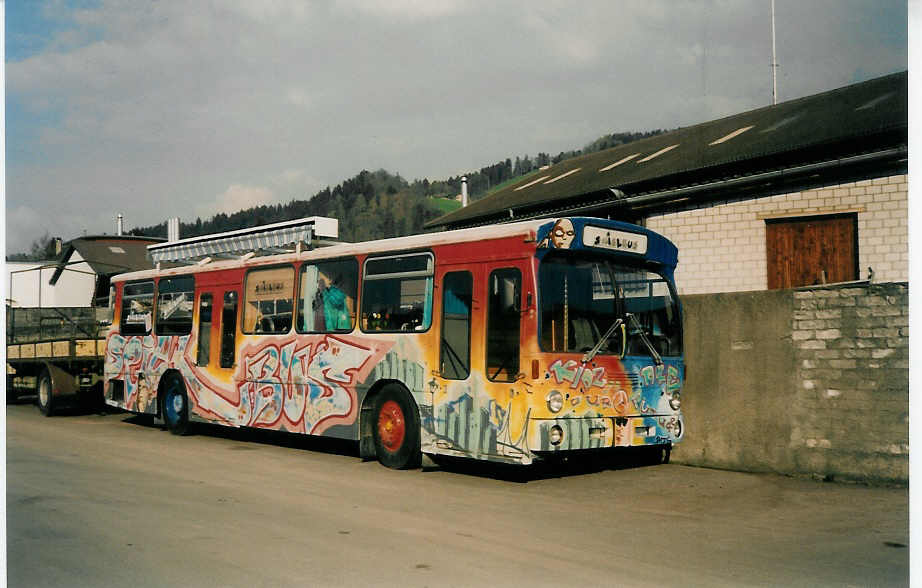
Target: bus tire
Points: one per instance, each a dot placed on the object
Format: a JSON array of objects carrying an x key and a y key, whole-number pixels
[
  {"x": 175, "y": 407},
  {"x": 12, "y": 394},
  {"x": 45, "y": 394},
  {"x": 396, "y": 429}
]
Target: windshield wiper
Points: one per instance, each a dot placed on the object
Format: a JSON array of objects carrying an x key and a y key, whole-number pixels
[
  {"x": 643, "y": 337},
  {"x": 595, "y": 349}
]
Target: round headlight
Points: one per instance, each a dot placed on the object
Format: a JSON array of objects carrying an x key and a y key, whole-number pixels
[
  {"x": 556, "y": 435},
  {"x": 676, "y": 401},
  {"x": 554, "y": 401}
]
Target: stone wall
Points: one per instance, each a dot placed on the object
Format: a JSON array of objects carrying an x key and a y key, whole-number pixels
[{"x": 803, "y": 382}]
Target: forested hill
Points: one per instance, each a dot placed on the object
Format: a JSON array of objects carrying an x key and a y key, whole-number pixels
[{"x": 378, "y": 204}]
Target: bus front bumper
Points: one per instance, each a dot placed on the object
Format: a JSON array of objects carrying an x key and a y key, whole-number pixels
[{"x": 573, "y": 434}]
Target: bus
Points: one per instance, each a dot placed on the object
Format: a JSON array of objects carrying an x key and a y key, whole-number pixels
[{"x": 511, "y": 343}]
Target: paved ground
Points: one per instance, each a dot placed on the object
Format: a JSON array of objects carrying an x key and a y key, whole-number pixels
[{"x": 105, "y": 500}]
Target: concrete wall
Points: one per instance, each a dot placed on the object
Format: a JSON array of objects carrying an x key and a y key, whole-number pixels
[
  {"x": 802, "y": 382},
  {"x": 722, "y": 245}
]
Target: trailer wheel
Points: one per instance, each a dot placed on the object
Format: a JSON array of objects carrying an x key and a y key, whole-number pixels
[
  {"x": 12, "y": 394},
  {"x": 45, "y": 394},
  {"x": 175, "y": 405},
  {"x": 396, "y": 429}
]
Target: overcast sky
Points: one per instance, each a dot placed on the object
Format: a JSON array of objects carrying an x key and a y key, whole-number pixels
[{"x": 160, "y": 109}]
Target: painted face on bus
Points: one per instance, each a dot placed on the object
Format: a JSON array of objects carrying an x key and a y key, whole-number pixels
[{"x": 562, "y": 234}]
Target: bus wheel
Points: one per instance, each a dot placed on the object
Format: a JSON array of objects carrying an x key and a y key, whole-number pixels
[
  {"x": 175, "y": 405},
  {"x": 45, "y": 395},
  {"x": 396, "y": 429},
  {"x": 12, "y": 394}
]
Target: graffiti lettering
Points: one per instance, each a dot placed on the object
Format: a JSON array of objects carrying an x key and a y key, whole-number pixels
[{"x": 577, "y": 374}]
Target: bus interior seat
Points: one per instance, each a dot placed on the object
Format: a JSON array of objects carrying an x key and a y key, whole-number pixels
[{"x": 583, "y": 334}]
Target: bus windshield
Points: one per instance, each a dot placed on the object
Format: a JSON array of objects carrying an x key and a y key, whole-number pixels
[{"x": 581, "y": 297}]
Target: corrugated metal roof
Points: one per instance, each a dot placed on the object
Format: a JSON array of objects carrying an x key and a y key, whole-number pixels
[{"x": 856, "y": 119}]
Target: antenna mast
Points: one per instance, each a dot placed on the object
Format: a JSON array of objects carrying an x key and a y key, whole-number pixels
[{"x": 774, "y": 61}]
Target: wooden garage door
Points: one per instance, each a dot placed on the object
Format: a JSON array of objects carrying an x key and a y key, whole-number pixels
[{"x": 812, "y": 250}]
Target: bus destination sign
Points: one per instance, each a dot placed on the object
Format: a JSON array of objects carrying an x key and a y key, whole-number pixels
[{"x": 616, "y": 240}]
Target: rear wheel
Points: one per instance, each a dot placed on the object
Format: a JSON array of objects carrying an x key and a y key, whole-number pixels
[
  {"x": 45, "y": 394},
  {"x": 396, "y": 429},
  {"x": 175, "y": 405},
  {"x": 12, "y": 394}
]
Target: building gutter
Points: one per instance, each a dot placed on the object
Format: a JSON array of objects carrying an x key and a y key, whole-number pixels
[
  {"x": 644, "y": 200},
  {"x": 615, "y": 196}
]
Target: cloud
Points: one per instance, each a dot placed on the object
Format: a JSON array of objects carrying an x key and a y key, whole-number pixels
[
  {"x": 236, "y": 198},
  {"x": 159, "y": 109}
]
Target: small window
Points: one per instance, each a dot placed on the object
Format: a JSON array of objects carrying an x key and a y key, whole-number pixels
[
  {"x": 455, "y": 360},
  {"x": 503, "y": 305},
  {"x": 397, "y": 293},
  {"x": 268, "y": 302},
  {"x": 327, "y": 297},
  {"x": 204, "y": 330},
  {"x": 137, "y": 306},
  {"x": 174, "y": 305},
  {"x": 229, "y": 329}
]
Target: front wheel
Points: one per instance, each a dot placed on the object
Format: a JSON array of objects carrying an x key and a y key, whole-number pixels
[
  {"x": 175, "y": 406},
  {"x": 396, "y": 429},
  {"x": 45, "y": 394}
]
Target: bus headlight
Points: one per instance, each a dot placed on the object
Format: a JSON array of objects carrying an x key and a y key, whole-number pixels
[
  {"x": 676, "y": 401},
  {"x": 554, "y": 401},
  {"x": 555, "y": 436}
]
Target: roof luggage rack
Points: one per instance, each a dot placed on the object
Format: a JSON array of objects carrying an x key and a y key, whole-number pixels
[{"x": 284, "y": 237}]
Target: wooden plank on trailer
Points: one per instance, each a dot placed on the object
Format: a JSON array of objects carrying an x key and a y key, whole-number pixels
[
  {"x": 43, "y": 349},
  {"x": 60, "y": 348},
  {"x": 12, "y": 351},
  {"x": 27, "y": 351},
  {"x": 85, "y": 348}
]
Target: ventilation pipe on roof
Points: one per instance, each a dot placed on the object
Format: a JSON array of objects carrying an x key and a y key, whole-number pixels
[
  {"x": 58, "y": 246},
  {"x": 463, "y": 191},
  {"x": 118, "y": 225},
  {"x": 172, "y": 229}
]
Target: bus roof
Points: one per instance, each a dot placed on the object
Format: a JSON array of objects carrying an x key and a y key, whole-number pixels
[{"x": 658, "y": 248}]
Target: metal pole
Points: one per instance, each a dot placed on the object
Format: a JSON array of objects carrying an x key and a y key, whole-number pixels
[{"x": 774, "y": 61}]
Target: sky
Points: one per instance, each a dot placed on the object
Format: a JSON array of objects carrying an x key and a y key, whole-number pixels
[{"x": 161, "y": 109}]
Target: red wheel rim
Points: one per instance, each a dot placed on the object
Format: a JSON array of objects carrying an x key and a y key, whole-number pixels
[{"x": 392, "y": 427}]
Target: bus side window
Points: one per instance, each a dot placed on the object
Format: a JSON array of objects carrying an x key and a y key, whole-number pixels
[
  {"x": 269, "y": 296},
  {"x": 397, "y": 293},
  {"x": 455, "y": 358},
  {"x": 503, "y": 324},
  {"x": 204, "y": 330},
  {"x": 229, "y": 329},
  {"x": 137, "y": 308},
  {"x": 174, "y": 305},
  {"x": 327, "y": 296}
]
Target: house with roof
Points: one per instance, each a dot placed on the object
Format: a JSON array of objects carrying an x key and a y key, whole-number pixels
[
  {"x": 807, "y": 192},
  {"x": 80, "y": 276}
]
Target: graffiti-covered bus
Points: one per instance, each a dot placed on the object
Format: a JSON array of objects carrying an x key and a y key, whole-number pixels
[{"x": 511, "y": 343}]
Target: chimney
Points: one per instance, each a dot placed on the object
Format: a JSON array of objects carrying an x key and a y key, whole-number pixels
[
  {"x": 58, "y": 246},
  {"x": 463, "y": 191},
  {"x": 118, "y": 225},
  {"x": 172, "y": 229}
]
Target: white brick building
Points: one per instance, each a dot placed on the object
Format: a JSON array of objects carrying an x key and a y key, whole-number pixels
[{"x": 722, "y": 245}]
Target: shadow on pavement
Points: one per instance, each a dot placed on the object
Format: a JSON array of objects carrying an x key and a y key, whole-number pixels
[{"x": 582, "y": 463}]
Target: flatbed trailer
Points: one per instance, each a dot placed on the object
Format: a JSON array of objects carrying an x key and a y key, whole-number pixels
[{"x": 56, "y": 354}]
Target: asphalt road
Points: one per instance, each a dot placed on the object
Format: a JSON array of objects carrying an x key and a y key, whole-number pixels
[{"x": 106, "y": 500}]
